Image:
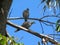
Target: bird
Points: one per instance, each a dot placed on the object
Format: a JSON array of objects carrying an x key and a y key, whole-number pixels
[
  {"x": 26, "y": 14},
  {"x": 58, "y": 25},
  {"x": 26, "y": 25}
]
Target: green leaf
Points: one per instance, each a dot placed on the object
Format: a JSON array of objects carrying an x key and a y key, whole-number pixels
[
  {"x": 58, "y": 25},
  {"x": 5, "y": 41}
]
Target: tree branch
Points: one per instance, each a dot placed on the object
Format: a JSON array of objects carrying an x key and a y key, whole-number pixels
[
  {"x": 50, "y": 16},
  {"x": 12, "y": 18},
  {"x": 4, "y": 9},
  {"x": 57, "y": 16},
  {"x": 34, "y": 33}
]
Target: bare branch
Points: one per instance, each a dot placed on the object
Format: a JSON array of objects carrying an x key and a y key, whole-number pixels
[
  {"x": 47, "y": 21},
  {"x": 50, "y": 16},
  {"x": 34, "y": 33},
  {"x": 55, "y": 34},
  {"x": 32, "y": 19},
  {"x": 15, "y": 18}
]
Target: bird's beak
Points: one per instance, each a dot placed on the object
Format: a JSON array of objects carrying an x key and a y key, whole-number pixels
[{"x": 33, "y": 22}]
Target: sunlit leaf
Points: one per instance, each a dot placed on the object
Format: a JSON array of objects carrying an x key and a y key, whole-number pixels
[
  {"x": 8, "y": 41},
  {"x": 0, "y": 38}
]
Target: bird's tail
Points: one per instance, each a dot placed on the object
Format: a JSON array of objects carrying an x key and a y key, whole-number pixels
[
  {"x": 17, "y": 30},
  {"x": 25, "y": 20}
]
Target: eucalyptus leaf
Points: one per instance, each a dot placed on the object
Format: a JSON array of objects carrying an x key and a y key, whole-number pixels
[{"x": 58, "y": 25}]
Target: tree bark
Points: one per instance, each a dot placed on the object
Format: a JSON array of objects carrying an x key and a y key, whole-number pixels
[{"x": 5, "y": 5}]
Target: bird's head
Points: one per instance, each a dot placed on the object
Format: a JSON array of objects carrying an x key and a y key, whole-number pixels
[{"x": 27, "y": 8}]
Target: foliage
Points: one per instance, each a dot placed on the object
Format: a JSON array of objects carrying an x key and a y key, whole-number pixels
[
  {"x": 58, "y": 44},
  {"x": 8, "y": 41},
  {"x": 58, "y": 25},
  {"x": 51, "y": 4}
]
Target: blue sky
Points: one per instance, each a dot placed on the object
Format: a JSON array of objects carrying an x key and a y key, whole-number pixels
[{"x": 18, "y": 6}]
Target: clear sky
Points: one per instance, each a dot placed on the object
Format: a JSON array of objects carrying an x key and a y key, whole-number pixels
[{"x": 36, "y": 11}]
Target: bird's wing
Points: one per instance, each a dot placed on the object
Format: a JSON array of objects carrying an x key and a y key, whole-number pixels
[
  {"x": 26, "y": 14},
  {"x": 26, "y": 25}
]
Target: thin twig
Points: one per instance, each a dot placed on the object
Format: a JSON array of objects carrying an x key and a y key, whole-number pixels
[
  {"x": 47, "y": 21},
  {"x": 46, "y": 24},
  {"x": 50, "y": 16},
  {"x": 10, "y": 12},
  {"x": 42, "y": 28},
  {"x": 55, "y": 34}
]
